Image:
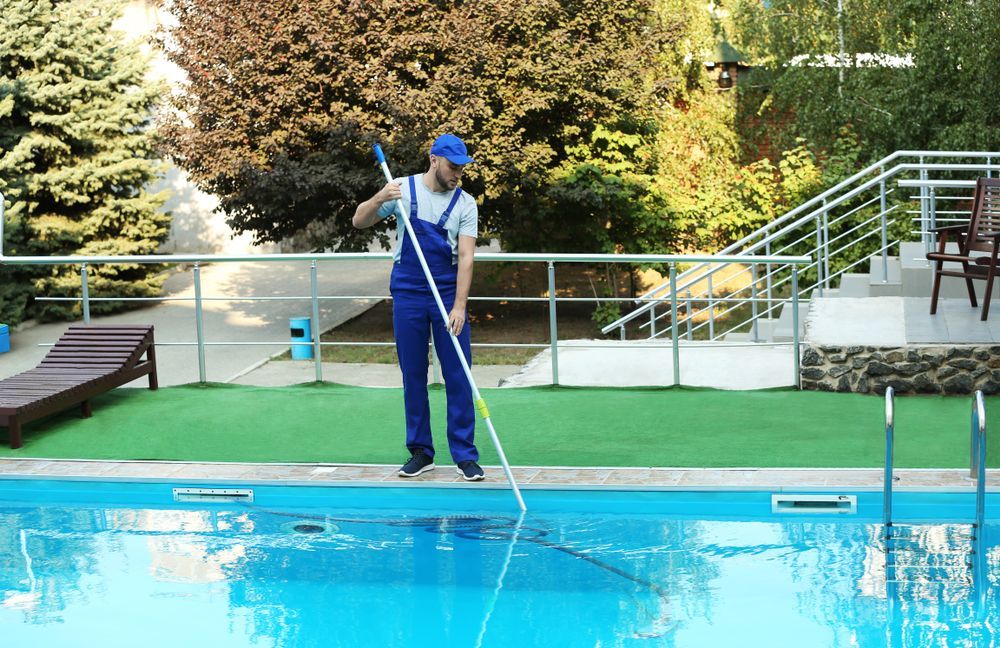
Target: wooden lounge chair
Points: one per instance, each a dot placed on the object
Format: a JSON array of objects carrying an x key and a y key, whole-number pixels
[
  {"x": 980, "y": 235},
  {"x": 85, "y": 361}
]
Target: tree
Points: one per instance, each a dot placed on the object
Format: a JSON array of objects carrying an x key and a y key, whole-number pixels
[
  {"x": 75, "y": 153},
  {"x": 285, "y": 99},
  {"x": 913, "y": 74}
]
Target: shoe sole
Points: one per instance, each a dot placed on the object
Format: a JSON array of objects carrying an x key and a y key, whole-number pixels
[
  {"x": 475, "y": 478},
  {"x": 419, "y": 472}
]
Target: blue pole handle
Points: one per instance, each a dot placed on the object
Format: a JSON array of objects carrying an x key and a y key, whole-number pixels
[{"x": 379, "y": 155}]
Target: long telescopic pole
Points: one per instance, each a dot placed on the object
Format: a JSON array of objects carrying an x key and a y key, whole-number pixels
[{"x": 477, "y": 397}]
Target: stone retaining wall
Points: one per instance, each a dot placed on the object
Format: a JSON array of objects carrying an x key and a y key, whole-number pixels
[{"x": 940, "y": 369}]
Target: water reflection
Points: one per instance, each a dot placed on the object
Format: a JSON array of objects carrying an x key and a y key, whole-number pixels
[{"x": 254, "y": 577}]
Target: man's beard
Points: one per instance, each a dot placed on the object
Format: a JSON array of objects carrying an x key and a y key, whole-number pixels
[{"x": 441, "y": 181}]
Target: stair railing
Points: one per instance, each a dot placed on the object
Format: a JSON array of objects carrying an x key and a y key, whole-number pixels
[{"x": 832, "y": 239}]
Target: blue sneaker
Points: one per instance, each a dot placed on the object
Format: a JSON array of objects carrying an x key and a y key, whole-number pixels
[
  {"x": 419, "y": 463},
  {"x": 470, "y": 471}
]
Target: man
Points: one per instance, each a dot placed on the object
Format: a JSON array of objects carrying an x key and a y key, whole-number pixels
[{"x": 445, "y": 220}]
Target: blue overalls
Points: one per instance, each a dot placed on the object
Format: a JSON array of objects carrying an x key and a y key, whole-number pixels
[{"x": 414, "y": 313}]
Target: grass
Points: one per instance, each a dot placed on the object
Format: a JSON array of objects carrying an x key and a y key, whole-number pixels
[{"x": 324, "y": 422}]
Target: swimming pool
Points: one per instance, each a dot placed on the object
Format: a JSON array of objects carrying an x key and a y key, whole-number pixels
[{"x": 122, "y": 564}]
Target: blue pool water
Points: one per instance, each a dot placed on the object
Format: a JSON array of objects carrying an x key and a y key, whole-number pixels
[{"x": 120, "y": 564}]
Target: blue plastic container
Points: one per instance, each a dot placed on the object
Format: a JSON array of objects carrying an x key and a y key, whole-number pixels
[
  {"x": 301, "y": 331},
  {"x": 4, "y": 338}
]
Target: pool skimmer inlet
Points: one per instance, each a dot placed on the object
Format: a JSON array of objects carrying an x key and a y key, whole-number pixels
[
  {"x": 213, "y": 495},
  {"x": 791, "y": 503}
]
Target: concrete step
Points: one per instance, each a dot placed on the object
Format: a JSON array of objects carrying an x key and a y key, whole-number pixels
[
  {"x": 854, "y": 284},
  {"x": 765, "y": 331},
  {"x": 892, "y": 286},
  {"x": 783, "y": 330}
]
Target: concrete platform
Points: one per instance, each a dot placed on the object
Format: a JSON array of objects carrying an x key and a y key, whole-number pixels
[
  {"x": 645, "y": 364},
  {"x": 528, "y": 477},
  {"x": 897, "y": 321}
]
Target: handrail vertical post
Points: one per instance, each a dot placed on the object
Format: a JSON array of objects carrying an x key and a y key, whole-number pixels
[
  {"x": 690, "y": 316},
  {"x": 924, "y": 227},
  {"x": 674, "y": 324},
  {"x": 652, "y": 321},
  {"x": 819, "y": 255},
  {"x": 885, "y": 227},
  {"x": 711, "y": 303},
  {"x": 932, "y": 235},
  {"x": 554, "y": 327},
  {"x": 753, "y": 302},
  {"x": 85, "y": 293},
  {"x": 826, "y": 246},
  {"x": 199, "y": 323},
  {"x": 314, "y": 298},
  {"x": 887, "y": 477},
  {"x": 797, "y": 378},
  {"x": 3, "y": 208},
  {"x": 767, "y": 279}
]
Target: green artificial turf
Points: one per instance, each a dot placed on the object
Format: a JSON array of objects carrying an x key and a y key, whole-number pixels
[{"x": 323, "y": 422}]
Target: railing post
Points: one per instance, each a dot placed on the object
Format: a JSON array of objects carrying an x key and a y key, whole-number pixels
[
  {"x": 711, "y": 303},
  {"x": 932, "y": 235},
  {"x": 553, "y": 327},
  {"x": 85, "y": 293},
  {"x": 819, "y": 255},
  {"x": 435, "y": 364},
  {"x": 673, "y": 324},
  {"x": 317, "y": 348},
  {"x": 652, "y": 320},
  {"x": 753, "y": 301},
  {"x": 924, "y": 228},
  {"x": 885, "y": 227},
  {"x": 826, "y": 246},
  {"x": 767, "y": 280},
  {"x": 689, "y": 318},
  {"x": 797, "y": 378},
  {"x": 199, "y": 323}
]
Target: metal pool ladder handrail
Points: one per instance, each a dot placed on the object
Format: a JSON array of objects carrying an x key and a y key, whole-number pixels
[
  {"x": 977, "y": 468},
  {"x": 887, "y": 477}
]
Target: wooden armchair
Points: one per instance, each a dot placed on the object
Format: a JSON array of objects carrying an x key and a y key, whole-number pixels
[
  {"x": 85, "y": 361},
  {"x": 980, "y": 235}
]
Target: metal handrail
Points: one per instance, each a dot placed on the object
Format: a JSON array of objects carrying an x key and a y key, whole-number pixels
[
  {"x": 536, "y": 257},
  {"x": 823, "y": 203},
  {"x": 315, "y": 258},
  {"x": 887, "y": 476},
  {"x": 977, "y": 460}
]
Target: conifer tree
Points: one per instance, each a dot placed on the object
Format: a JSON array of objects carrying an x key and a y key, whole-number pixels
[{"x": 75, "y": 154}]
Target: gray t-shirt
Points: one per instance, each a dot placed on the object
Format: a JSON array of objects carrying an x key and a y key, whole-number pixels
[{"x": 464, "y": 218}]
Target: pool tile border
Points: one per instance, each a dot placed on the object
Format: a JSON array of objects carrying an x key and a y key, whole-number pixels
[{"x": 528, "y": 477}]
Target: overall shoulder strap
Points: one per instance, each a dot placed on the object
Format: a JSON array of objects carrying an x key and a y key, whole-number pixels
[
  {"x": 413, "y": 199},
  {"x": 451, "y": 205}
]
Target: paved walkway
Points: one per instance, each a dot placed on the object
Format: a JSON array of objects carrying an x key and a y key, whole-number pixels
[{"x": 528, "y": 477}]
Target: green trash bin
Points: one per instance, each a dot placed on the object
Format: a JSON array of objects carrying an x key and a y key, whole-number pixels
[{"x": 301, "y": 331}]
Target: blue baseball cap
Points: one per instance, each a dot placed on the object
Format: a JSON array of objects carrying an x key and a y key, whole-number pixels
[{"x": 449, "y": 146}]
